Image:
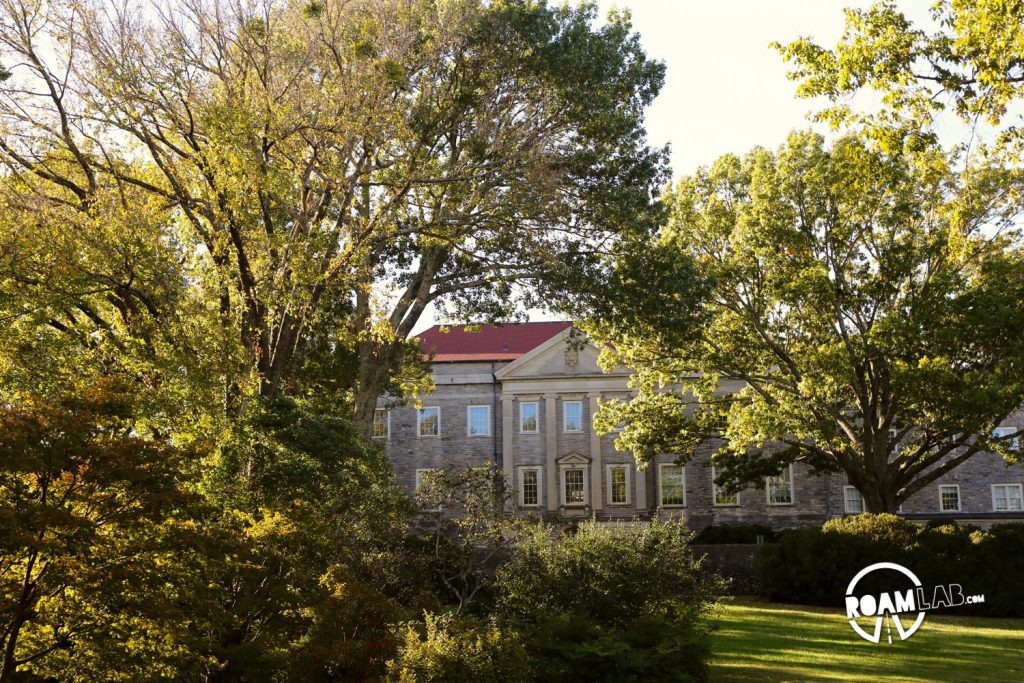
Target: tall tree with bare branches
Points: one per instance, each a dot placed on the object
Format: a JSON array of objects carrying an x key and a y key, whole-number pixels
[{"x": 327, "y": 170}]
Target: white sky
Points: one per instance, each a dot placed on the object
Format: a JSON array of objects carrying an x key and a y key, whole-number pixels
[{"x": 726, "y": 90}]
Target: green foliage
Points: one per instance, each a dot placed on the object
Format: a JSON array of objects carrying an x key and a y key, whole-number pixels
[
  {"x": 454, "y": 648},
  {"x": 102, "y": 547},
  {"x": 607, "y": 604},
  {"x": 465, "y": 512},
  {"x": 313, "y": 9},
  {"x": 858, "y": 311},
  {"x": 325, "y": 154},
  {"x": 353, "y": 633},
  {"x": 321, "y": 566},
  {"x": 971, "y": 62},
  {"x": 572, "y": 647},
  {"x": 815, "y": 565}
]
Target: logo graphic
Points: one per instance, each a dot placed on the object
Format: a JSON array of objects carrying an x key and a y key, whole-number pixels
[{"x": 897, "y": 606}]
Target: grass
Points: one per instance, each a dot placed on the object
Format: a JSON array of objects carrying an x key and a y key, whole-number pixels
[{"x": 762, "y": 641}]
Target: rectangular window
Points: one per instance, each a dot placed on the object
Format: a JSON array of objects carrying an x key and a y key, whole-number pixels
[
  {"x": 478, "y": 420},
  {"x": 618, "y": 484},
  {"x": 573, "y": 416},
  {"x": 574, "y": 490},
  {"x": 529, "y": 422},
  {"x": 671, "y": 485},
  {"x": 529, "y": 487},
  {"x": 1007, "y": 498},
  {"x": 999, "y": 432},
  {"x": 853, "y": 501},
  {"x": 780, "y": 487},
  {"x": 381, "y": 423},
  {"x": 949, "y": 498},
  {"x": 429, "y": 421},
  {"x": 723, "y": 497}
]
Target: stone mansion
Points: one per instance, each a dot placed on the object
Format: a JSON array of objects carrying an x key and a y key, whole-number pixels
[{"x": 521, "y": 396}]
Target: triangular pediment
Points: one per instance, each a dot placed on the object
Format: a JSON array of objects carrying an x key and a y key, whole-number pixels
[
  {"x": 568, "y": 354},
  {"x": 573, "y": 458}
]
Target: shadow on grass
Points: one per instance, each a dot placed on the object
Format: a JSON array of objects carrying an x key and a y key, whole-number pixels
[{"x": 760, "y": 641}]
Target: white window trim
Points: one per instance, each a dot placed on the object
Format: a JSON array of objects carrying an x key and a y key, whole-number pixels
[
  {"x": 714, "y": 495},
  {"x": 419, "y": 414},
  {"x": 565, "y": 421},
  {"x": 661, "y": 487},
  {"x": 959, "y": 503},
  {"x": 387, "y": 423},
  {"x": 848, "y": 511},
  {"x": 540, "y": 487},
  {"x": 469, "y": 423},
  {"x": 792, "y": 491},
  {"x": 608, "y": 483},
  {"x": 1014, "y": 443},
  {"x": 586, "y": 486},
  {"x": 536, "y": 417},
  {"x": 1020, "y": 489}
]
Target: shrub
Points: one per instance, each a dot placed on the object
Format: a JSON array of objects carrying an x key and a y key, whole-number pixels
[
  {"x": 609, "y": 604},
  {"x": 734, "y": 533},
  {"x": 353, "y": 633},
  {"x": 453, "y": 648},
  {"x": 814, "y": 566}
]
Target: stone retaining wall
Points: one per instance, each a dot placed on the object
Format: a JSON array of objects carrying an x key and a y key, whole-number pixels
[{"x": 735, "y": 562}]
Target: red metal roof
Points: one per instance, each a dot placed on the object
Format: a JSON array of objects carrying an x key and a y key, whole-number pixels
[{"x": 502, "y": 342}]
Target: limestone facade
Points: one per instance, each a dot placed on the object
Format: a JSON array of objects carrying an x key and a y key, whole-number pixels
[{"x": 533, "y": 416}]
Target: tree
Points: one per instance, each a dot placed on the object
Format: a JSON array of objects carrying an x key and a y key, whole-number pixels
[
  {"x": 465, "y": 511},
  {"x": 99, "y": 546},
  {"x": 972, "y": 61},
  {"x": 332, "y": 168},
  {"x": 862, "y": 314},
  {"x": 317, "y": 572}
]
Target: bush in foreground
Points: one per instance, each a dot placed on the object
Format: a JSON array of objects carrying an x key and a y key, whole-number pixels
[
  {"x": 453, "y": 648},
  {"x": 609, "y": 604}
]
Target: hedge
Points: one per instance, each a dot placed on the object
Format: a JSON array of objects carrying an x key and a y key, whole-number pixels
[{"x": 815, "y": 565}]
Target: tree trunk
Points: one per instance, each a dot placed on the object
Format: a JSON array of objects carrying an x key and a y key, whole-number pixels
[
  {"x": 375, "y": 364},
  {"x": 878, "y": 499},
  {"x": 8, "y": 669}
]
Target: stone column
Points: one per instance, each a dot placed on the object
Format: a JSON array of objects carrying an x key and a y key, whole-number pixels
[
  {"x": 551, "y": 450},
  {"x": 507, "y": 449},
  {"x": 596, "y": 462}
]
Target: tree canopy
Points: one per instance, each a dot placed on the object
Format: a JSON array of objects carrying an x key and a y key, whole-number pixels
[
  {"x": 970, "y": 62},
  {"x": 321, "y": 172},
  {"x": 861, "y": 313}
]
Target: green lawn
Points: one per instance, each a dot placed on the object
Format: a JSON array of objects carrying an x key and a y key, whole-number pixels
[{"x": 761, "y": 641}]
